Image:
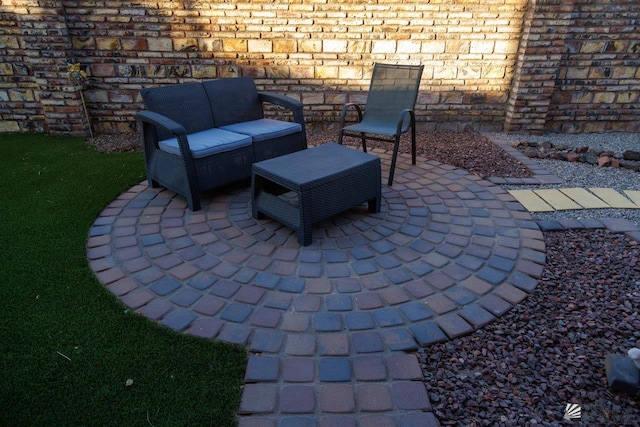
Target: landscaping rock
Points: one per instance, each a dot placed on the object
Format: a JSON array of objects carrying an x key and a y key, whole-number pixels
[
  {"x": 594, "y": 156},
  {"x": 631, "y": 155}
]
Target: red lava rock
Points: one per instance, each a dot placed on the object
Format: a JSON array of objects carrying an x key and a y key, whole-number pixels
[
  {"x": 573, "y": 157},
  {"x": 604, "y": 161},
  {"x": 548, "y": 350}
]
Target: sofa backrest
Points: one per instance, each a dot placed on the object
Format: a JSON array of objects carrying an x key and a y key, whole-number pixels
[
  {"x": 186, "y": 104},
  {"x": 233, "y": 100}
]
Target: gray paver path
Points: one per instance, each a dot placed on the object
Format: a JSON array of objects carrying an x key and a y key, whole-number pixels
[{"x": 331, "y": 328}]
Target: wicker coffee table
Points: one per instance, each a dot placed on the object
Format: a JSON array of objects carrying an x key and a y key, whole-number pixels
[{"x": 327, "y": 180}]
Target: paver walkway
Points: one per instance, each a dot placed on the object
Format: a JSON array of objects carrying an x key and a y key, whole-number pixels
[{"x": 330, "y": 327}]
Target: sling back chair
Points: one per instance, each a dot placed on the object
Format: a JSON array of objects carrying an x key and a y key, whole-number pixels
[{"x": 388, "y": 112}]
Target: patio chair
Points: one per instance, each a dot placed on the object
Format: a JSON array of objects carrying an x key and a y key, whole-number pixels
[{"x": 388, "y": 112}]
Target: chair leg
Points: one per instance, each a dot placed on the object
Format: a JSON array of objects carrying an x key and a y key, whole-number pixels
[
  {"x": 364, "y": 142},
  {"x": 396, "y": 145},
  {"x": 340, "y": 136},
  {"x": 413, "y": 143}
]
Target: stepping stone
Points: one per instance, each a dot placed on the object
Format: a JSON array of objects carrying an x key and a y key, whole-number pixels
[
  {"x": 531, "y": 201},
  {"x": 613, "y": 198},
  {"x": 584, "y": 198},
  {"x": 634, "y": 195},
  {"x": 557, "y": 199}
]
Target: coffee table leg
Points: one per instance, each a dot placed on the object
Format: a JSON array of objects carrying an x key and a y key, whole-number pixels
[
  {"x": 374, "y": 205},
  {"x": 256, "y": 187},
  {"x": 305, "y": 231}
]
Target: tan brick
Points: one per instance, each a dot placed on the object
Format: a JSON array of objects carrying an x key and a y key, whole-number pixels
[
  {"x": 210, "y": 45},
  {"x": 285, "y": 46},
  {"x": 336, "y": 98},
  {"x": 9, "y": 126},
  {"x": 302, "y": 72},
  {"x": 6, "y": 69},
  {"x": 97, "y": 95},
  {"x": 134, "y": 44},
  {"x": 599, "y": 72},
  {"x": 493, "y": 72},
  {"x": 445, "y": 73},
  {"x": 204, "y": 71},
  {"x": 9, "y": 42},
  {"x": 260, "y": 46},
  {"x": 185, "y": 45},
  {"x": 359, "y": 46},
  {"x": 470, "y": 72},
  {"x": 620, "y": 72},
  {"x": 21, "y": 95},
  {"x": 312, "y": 98},
  {"x": 83, "y": 42},
  {"x": 159, "y": 44},
  {"x": 604, "y": 97},
  {"x": 628, "y": 97},
  {"x": 353, "y": 73},
  {"x": 310, "y": 46},
  {"x": 582, "y": 97},
  {"x": 592, "y": 47},
  {"x": 384, "y": 46},
  {"x": 109, "y": 43},
  {"x": 103, "y": 70},
  {"x": 452, "y": 46},
  {"x": 337, "y": 46},
  {"x": 235, "y": 45},
  {"x": 506, "y": 46},
  {"x": 327, "y": 72},
  {"x": 409, "y": 46},
  {"x": 577, "y": 72},
  {"x": 482, "y": 46}
]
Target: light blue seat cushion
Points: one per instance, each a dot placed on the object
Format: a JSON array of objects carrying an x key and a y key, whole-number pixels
[
  {"x": 263, "y": 129},
  {"x": 207, "y": 142}
]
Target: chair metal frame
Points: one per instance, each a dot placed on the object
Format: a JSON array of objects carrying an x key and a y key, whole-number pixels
[{"x": 389, "y": 109}]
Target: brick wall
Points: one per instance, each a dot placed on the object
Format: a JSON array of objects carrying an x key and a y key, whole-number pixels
[{"x": 515, "y": 65}]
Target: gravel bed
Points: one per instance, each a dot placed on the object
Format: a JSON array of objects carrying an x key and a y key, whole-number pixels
[{"x": 549, "y": 350}]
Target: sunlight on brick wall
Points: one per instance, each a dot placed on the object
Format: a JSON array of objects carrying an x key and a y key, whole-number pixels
[{"x": 489, "y": 65}]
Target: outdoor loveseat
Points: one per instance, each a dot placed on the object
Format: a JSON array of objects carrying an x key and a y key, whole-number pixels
[{"x": 202, "y": 135}]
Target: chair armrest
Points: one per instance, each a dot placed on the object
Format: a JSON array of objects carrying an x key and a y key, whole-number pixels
[
  {"x": 286, "y": 102},
  {"x": 403, "y": 114},
  {"x": 345, "y": 110}
]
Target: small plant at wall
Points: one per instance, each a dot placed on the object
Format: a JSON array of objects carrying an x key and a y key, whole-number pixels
[{"x": 78, "y": 77}]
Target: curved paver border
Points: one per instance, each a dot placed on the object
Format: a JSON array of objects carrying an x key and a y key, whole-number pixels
[{"x": 331, "y": 326}]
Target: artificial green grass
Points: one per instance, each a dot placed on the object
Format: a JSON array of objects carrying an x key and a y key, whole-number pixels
[{"x": 67, "y": 346}]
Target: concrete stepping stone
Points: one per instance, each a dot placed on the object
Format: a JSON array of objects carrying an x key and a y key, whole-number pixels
[
  {"x": 531, "y": 201},
  {"x": 613, "y": 198},
  {"x": 557, "y": 199},
  {"x": 586, "y": 199}
]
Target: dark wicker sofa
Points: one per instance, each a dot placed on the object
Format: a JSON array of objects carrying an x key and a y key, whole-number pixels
[{"x": 202, "y": 135}]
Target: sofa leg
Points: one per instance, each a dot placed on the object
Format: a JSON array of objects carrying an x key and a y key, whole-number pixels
[{"x": 194, "y": 203}]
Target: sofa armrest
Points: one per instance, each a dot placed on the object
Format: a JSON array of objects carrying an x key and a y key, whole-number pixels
[
  {"x": 286, "y": 102},
  {"x": 176, "y": 129},
  {"x": 162, "y": 121}
]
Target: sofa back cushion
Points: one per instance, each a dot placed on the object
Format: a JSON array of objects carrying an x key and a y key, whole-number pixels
[
  {"x": 186, "y": 104},
  {"x": 233, "y": 100}
]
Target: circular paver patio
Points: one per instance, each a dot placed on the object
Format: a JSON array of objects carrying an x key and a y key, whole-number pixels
[{"x": 331, "y": 327}]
